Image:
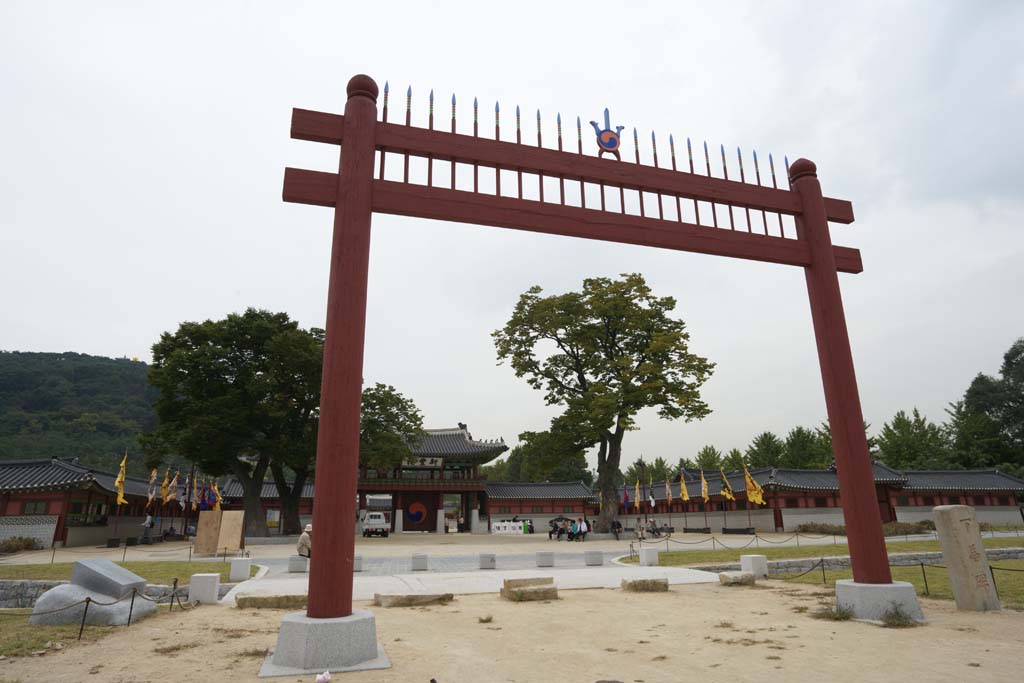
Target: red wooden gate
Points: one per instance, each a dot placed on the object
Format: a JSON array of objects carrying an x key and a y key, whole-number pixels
[{"x": 356, "y": 192}]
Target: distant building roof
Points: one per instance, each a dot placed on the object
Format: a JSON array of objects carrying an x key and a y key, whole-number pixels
[
  {"x": 501, "y": 490},
  {"x": 457, "y": 446},
  {"x": 55, "y": 474},
  {"x": 232, "y": 488},
  {"x": 962, "y": 480}
]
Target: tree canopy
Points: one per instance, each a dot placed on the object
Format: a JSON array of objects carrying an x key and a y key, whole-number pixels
[
  {"x": 766, "y": 450},
  {"x": 708, "y": 458},
  {"x": 389, "y": 425},
  {"x": 604, "y": 354},
  {"x": 542, "y": 456}
]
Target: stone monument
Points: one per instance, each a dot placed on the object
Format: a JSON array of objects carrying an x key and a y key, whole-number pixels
[
  {"x": 107, "y": 586},
  {"x": 964, "y": 555}
]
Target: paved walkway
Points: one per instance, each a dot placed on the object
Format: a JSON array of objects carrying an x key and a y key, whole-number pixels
[{"x": 469, "y": 582}]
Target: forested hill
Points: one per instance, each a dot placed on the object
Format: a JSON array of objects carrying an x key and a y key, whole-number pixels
[{"x": 71, "y": 405}]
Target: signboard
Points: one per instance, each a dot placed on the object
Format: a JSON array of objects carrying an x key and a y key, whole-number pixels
[{"x": 423, "y": 462}]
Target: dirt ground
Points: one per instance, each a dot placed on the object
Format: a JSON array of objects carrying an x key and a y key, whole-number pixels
[{"x": 703, "y": 632}]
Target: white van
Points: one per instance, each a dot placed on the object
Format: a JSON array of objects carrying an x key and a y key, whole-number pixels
[{"x": 375, "y": 524}]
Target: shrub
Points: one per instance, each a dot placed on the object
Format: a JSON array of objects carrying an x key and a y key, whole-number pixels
[
  {"x": 837, "y": 613},
  {"x": 897, "y": 618},
  {"x": 907, "y": 528},
  {"x": 819, "y": 528},
  {"x": 16, "y": 544}
]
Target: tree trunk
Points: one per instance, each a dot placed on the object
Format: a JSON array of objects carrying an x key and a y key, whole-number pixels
[
  {"x": 290, "y": 497},
  {"x": 252, "y": 487},
  {"x": 608, "y": 458}
]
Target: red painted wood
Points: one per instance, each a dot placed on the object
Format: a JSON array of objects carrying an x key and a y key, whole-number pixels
[
  {"x": 319, "y": 188},
  {"x": 849, "y": 443},
  {"x": 323, "y": 127},
  {"x": 337, "y": 453}
]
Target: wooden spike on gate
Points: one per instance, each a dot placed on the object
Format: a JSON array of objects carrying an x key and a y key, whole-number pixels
[{"x": 743, "y": 179}]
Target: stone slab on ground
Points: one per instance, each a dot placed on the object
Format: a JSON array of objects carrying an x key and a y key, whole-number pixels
[
  {"x": 67, "y": 594},
  {"x": 545, "y": 558},
  {"x": 649, "y": 557},
  {"x": 420, "y": 562},
  {"x": 411, "y": 599},
  {"x": 298, "y": 564},
  {"x": 271, "y": 601},
  {"x": 964, "y": 556},
  {"x": 872, "y": 601},
  {"x": 736, "y": 579},
  {"x": 755, "y": 564},
  {"x": 645, "y": 585},
  {"x": 204, "y": 589},
  {"x": 530, "y": 593},
  {"x": 241, "y": 567},
  {"x": 593, "y": 558},
  {"x": 488, "y": 561},
  {"x": 107, "y": 578},
  {"x": 312, "y": 646},
  {"x": 528, "y": 582}
]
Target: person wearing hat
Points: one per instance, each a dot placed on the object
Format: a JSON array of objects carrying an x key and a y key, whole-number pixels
[{"x": 305, "y": 544}]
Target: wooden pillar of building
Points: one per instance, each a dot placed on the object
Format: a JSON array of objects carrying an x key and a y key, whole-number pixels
[
  {"x": 846, "y": 422},
  {"x": 337, "y": 455}
]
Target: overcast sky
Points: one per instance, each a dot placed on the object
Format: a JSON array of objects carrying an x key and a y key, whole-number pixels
[{"x": 143, "y": 148}]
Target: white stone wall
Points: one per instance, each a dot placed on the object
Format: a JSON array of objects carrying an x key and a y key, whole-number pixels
[
  {"x": 1000, "y": 515},
  {"x": 39, "y": 527},
  {"x": 761, "y": 519},
  {"x": 98, "y": 535},
  {"x": 794, "y": 517}
]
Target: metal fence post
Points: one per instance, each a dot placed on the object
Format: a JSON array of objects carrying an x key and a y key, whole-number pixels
[
  {"x": 992, "y": 573},
  {"x": 84, "y": 613},
  {"x": 824, "y": 581},
  {"x": 124, "y": 554},
  {"x": 924, "y": 575},
  {"x": 131, "y": 606},
  {"x": 174, "y": 590}
]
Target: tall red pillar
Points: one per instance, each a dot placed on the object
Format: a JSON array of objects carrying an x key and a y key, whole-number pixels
[
  {"x": 846, "y": 422},
  {"x": 337, "y": 451}
]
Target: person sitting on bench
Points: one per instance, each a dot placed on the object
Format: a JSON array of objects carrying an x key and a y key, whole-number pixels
[{"x": 305, "y": 545}]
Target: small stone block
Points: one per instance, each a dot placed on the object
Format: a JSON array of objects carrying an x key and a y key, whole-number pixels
[
  {"x": 204, "y": 589},
  {"x": 530, "y": 593},
  {"x": 412, "y": 599},
  {"x": 545, "y": 558},
  {"x": 872, "y": 601},
  {"x": 357, "y": 563},
  {"x": 488, "y": 561},
  {"x": 241, "y": 568},
  {"x": 298, "y": 564},
  {"x": 528, "y": 583},
  {"x": 593, "y": 558},
  {"x": 271, "y": 601},
  {"x": 736, "y": 579},
  {"x": 326, "y": 644},
  {"x": 419, "y": 562},
  {"x": 755, "y": 564},
  {"x": 103, "y": 576},
  {"x": 649, "y": 557},
  {"x": 645, "y": 585}
]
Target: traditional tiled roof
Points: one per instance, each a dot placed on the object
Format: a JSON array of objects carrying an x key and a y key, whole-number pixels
[
  {"x": 962, "y": 480},
  {"x": 502, "y": 490},
  {"x": 233, "y": 489},
  {"x": 54, "y": 474},
  {"x": 826, "y": 480},
  {"x": 714, "y": 479},
  {"x": 457, "y": 446}
]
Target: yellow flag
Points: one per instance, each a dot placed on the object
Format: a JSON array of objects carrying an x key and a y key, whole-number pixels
[
  {"x": 119, "y": 482},
  {"x": 636, "y": 495},
  {"x": 195, "y": 493},
  {"x": 704, "y": 487},
  {"x": 726, "y": 491},
  {"x": 755, "y": 494},
  {"x": 151, "y": 492},
  {"x": 684, "y": 495},
  {"x": 668, "y": 493},
  {"x": 216, "y": 494},
  {"x": 172, "y": 493},
  {"x": 163, "y": 486}
]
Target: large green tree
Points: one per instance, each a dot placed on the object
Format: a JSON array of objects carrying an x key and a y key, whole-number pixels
[
  {"x": 913, "y": 442},
  {"x": 542, "y": 456},
  {"x": 605, "y": 353},
  {"x": 734, "y": 460},
  {"x": 708, "y": 459},
  {"x": 806, "y": 449},
  {"x": 235, "y": 395},
  {"x": 765, "y": 450},
  {"x": 389, "y": 426},
  {"x": 646, "y": 472},
  {"x": 996, "y": 407}
]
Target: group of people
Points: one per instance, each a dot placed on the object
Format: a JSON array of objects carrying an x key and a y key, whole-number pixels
[{"x": 577, "y": 531}]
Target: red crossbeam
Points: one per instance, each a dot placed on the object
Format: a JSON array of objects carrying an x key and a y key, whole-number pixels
[
  {"x": 405, "y": 199},
  {"x": 324, "y": 127}
]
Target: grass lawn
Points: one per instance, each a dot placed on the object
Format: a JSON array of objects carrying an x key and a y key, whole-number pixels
[
  {"x": 18, "y": 639},
  {"x": 700, "y": 557},
  {"x": 153, "y": 572},
  {"x": 1009, "y": 585}
]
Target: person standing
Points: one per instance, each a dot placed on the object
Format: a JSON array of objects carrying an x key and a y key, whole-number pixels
[
  {"x": 147, "y": 526},
  {"x": 305, "y": 545}
]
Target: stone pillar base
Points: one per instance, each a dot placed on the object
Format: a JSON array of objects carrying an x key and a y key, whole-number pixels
[
  {"x": 871, "y": 601},
  {"x": 475, "y": 527},
  {"x": 312, "y": 646}
]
